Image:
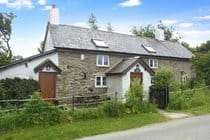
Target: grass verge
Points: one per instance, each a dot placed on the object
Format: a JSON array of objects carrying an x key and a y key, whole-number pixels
[
  {"x": 200, "y": 110},
  {"x": 82, "y": 128}
]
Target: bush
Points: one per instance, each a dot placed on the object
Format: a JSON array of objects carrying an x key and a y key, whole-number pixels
[
  {"x": 113, "y": 109},
  {"x": 36, "y": 112},
  {"x": 178, "y": 101},
  {"x": 17, "y": 88},
  {"x": 165, "y": 77},
  {"x": 185, "y": 100},
  {"x": 40, "y": 112},
  {"x": 134, "y": 97},
  {"x": 146, "y": 107}
]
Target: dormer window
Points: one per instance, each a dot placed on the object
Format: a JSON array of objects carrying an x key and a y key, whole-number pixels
[
  {"x": 99, "y": 43},
  {"x": 149, "y": 49}
]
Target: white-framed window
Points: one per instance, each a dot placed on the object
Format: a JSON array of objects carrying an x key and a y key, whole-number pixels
[
  {"x": 102, "y": 61},
  {"x": 153, "y": 63},
  {"x": 100, "y": 81}
]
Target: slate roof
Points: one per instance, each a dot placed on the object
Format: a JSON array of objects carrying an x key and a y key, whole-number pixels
[
  {"x": 66, "y": 36},
  {"x": 126, "y": 64}
]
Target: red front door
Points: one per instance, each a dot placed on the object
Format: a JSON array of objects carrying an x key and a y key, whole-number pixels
[
  {"x": 136, "y": 75},
  {"x": 47, "y": 81}
]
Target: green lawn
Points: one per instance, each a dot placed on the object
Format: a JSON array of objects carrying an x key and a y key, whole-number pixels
[{"x": 82, "y": 128}]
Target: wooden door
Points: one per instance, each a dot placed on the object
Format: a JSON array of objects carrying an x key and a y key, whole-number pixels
[
  {"x": 136, "y": 75},
  {"x": 47, "y": 81}
]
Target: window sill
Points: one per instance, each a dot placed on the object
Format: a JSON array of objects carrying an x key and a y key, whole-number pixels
[
  {"x": 154, "y": 67},
  {"x": 100, "y": 86},
  {"x": 103, "y": 66}
]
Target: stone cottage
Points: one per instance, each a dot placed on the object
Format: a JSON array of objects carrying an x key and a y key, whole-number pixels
[{"x": 84, "y": 61}]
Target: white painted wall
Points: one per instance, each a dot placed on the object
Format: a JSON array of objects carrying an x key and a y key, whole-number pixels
[
  {"x": 114, "y": 84},
  {"x": 49, "y": 43},
  {"x": 21, "y": 71},
  {"x": 146, "y": 80}
]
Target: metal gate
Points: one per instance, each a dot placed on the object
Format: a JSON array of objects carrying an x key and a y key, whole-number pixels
[{"x": 159, "y": 97}]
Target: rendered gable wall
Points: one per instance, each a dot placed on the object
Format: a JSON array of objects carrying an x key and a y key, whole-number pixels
[
  {"x": 26, "y": 69},
  {"x": 49, "y": 43},
  {"x": 126, "y": 79}
]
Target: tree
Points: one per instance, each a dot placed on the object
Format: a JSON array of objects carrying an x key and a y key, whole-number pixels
[
  {"x": 164, "y": 77},
  {"x": 5, "y": 32},
  {"x": 168, "y": 32},
  {"x": 201, "y": 63},
  {"x": 203, "y": 48},
  {"x": 147, "y": 31},
  {"x": 109, "y": 27},
  {"x": 5, "y": 36},
  {"x": 93, "y": 22}
]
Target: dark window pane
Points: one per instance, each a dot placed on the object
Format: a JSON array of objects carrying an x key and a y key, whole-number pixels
[
  {"x": 98, "y": 81},
  {"x": 99, "y": 59},
  {"x": 104, "y": 81},
  {"x": 151, "y": 63},
  {"x": 106, "y": 60}
]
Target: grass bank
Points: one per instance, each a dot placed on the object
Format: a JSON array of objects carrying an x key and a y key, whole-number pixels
[
  {"x": 82, "y": 128},
  {"x": 200, "y": 110},
  {"x": 195, "y": 102}
]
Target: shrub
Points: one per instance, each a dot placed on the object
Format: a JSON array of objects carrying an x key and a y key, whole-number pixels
[
  {"x": 165, "y": 77},
  {"x": 198, "y": 99},
  {"x": 178, "y": 101},
  {"x": 113, "y": 109},
  {"x": 146, "y": 107},
  {"x": 40, "y": 112},
  {"x": 35, "y": 112},
  {"x": 17, "y": 88},
  {"x": 186, "y": 100},
  {"x": 134, "y": 97}
]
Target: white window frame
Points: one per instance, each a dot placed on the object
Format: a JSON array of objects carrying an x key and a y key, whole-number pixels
[
  {"x": 101, "y": 81},
  {"x": 153, "y": 63},
  {"x": 102, "y": 65}
]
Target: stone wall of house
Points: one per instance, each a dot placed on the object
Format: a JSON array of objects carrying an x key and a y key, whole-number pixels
[
  {"x": 78, "y": 76},
  {"x": 180, "y": 66}
]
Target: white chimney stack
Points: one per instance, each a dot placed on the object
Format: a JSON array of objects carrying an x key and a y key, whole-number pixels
[
  {"x": 159, "y": 33},
  {"x": 54, "y": 15}
]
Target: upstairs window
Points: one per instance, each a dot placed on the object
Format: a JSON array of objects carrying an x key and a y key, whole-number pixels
[
  {"x": 102, "y": 61},
  {"x": 99, "y": 43},
  {"x": 149, "y": 49},
  {"x": 100, "y": 81},
  {"x": 153, "y": 63}
]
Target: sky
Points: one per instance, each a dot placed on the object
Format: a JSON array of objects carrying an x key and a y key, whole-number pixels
[{"x": 190, "y": 18}]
